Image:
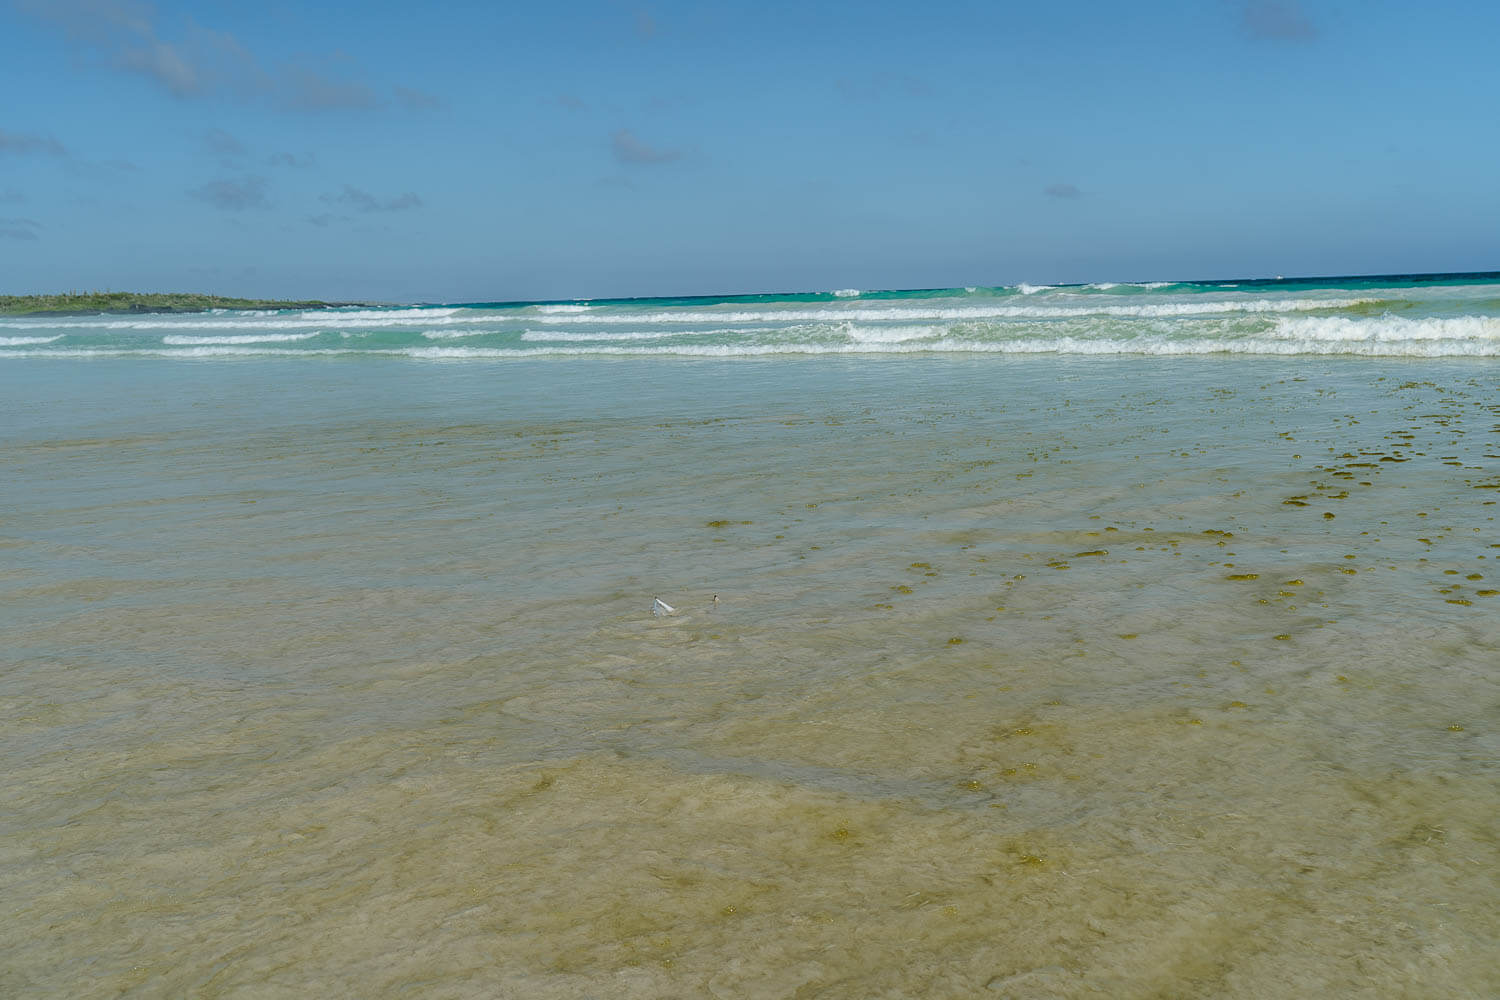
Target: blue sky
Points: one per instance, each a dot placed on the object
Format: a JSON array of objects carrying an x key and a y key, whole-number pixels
[{"x": 518, "y": 151}]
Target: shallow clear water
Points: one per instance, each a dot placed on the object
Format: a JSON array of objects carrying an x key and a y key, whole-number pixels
[{"x": 1049, "y": 675}]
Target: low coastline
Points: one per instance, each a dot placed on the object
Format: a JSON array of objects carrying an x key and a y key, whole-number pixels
[{"x": 130, "y": 303}]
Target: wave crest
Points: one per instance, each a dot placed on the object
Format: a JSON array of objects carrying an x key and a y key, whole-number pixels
[{"x": 247, "y": 338}]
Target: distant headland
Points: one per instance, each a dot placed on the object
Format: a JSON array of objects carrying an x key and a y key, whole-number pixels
[{"x": 88, "y": 303}]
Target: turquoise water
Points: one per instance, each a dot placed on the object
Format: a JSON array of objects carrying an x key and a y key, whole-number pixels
[
  {"x": 1030, "y": 674},
  {"x": 1399, "y": 316}
]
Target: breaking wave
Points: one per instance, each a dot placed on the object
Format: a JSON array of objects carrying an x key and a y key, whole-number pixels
[
  {"x": 1454, "y": 317},
  {"x": 248, "y": 338}
]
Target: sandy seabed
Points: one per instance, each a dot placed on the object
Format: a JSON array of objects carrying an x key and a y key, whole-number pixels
[{"x": 1028, "y": 677}]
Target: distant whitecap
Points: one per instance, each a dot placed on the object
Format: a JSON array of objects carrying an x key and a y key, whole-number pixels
[
  {"x": 23, "y": 341},
  {"x": 246, "y": 338}
]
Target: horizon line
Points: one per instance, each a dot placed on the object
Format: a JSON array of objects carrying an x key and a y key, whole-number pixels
[{"x": 1417, "y": 276}]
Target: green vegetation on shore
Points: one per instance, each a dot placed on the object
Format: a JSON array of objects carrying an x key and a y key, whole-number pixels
[{"x": 144, "y": 302}]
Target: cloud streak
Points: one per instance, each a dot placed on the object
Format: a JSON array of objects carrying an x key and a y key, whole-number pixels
[
  {"x": 418, "y": 100},
  {"x": 221, "y": 143},
  {"x": 101, "y": 169},
  {"x": 881, "y": 86},
  {"x": 199, "y": 61},
  {"x": 302, "y": 88},
  {"x": 292, "y": 160},
  {"x": 1277, "y": 21},
  {"x": 19, "y": 229},
  {"x": 363, "y": 201},
  {"x": 125, "y": 35},
  {"x": 24, "y": 143},
  {"x": 233, "y": 195},
  {"x": 629, "y": 149}
]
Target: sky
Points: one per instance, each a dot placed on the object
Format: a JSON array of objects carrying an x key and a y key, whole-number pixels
[{"x": 454, "y": 152}]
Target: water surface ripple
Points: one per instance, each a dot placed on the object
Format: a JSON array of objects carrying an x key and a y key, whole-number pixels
[{"x": 1057, "y": 676}]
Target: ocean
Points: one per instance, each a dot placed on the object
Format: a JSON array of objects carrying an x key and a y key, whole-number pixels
[
  {"x": 1448, "y": 315},
  {"x": 1121, "y": 640}
]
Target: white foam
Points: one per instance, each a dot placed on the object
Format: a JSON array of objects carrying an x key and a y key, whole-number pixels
[
  {"x": 452, "y": 334},
  {"x": 23, "y": 341},
  {"x": 890, "y": 334},
  {"x": 1214, "y": 327},
  {"x": 552, "y": 337},
  {"x": 1026, "y": 289},
  {"x": 846, "y": 293},
  {"x": 420, "y": 313},
  {"x": 1386, "y": 336},
  {"x": 218, "y": 351},
  {"x": 457, "y": 334},
  {"x": 262, "y": 320},
  {"x": 1164, "y": 346},
  {"x": 432, "y": 322},
  {"x": 86, "y": 325},
  {"x": 559, "y": 337},
  {"x": 833, "y": 313},
  {"x": 242, "y": 322},
  {"x": 1387, "y": 330},
  {"x": 249, "y": 338}
]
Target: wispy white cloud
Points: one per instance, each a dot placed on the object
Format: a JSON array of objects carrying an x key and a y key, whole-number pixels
[
  {"x": 99, "y": 169},
  {"x": 196, "y": 61},
  {"x": 293, "y": 160},
  {"x": 880, "y": 86},
  {"x": 364, "y": 201},
  {"x": 221, "y": 143},
  {"x": 19, "y": 229},
  {"x": 629, "y": 149},
  {"x": 22, "y": 143},
  {"x": 164, "y": 63},
  {"x": 303, "y": 88},
  {"x": 124, "y": 34},
  {"x": 1277, "y": 20},
  {"x": 234, "y": 195},
  {"x": 418, "y": 100}
]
